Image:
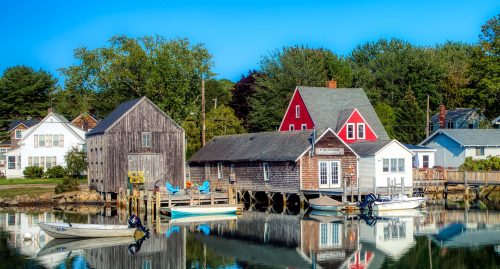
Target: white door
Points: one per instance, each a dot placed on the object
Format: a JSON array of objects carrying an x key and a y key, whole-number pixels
[{"x": 329, "y": 174}]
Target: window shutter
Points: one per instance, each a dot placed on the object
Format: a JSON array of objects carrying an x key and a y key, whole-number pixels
[
  {"x": 36, "y": 141},
  {"x": 61, "y": 141}
]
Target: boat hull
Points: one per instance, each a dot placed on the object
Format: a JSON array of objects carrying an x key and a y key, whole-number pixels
[
  {"x": 63, "y": 230},
  {"x": 397, "y": 204},
  {"x": 327, "y": 207},
  {"x": 188, "y": 211}
]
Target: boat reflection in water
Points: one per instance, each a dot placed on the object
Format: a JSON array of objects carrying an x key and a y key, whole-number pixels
[{"x": 268, "y": 240}]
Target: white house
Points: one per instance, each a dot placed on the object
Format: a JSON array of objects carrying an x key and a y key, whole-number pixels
[
  {"x": 424, "y": 156},
  {"x": 384, "y": 161},
  {"x": 44, "y": 144}
]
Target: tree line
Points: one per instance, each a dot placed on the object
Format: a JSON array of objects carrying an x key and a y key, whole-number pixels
[{"x": 396, "y": 75}]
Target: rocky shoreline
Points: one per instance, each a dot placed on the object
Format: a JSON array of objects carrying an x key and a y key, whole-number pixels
[{"x": 83, "y": 196}]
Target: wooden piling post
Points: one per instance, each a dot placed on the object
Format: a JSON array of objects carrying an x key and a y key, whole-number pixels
[
  {"x": 284, "y": 201},
  {"x": 466, "y": 185},
  {"x": 127, "y": 197},
  {"x": 158, "y": 203},
  {"x": 344, "y": 194}
]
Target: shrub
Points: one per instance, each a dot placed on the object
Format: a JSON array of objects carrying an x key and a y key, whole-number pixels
[
  {"x": 33, "y": 172},
  {"x": 55, "y": 172},
  {"x": 68, "y": 184},
  {"x": 76, "y": 162},
  {"x": 492, "y": 163}
]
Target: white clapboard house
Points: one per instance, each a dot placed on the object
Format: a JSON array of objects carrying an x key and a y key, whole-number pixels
[{"x": 44, "y": 144}]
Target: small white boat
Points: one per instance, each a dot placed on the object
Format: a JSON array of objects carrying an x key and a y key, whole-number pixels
[
  {"x": 185, "y": 211},
  {"x": 325, "y": 203},
  {"x": 204, "y": 218},
  {"x": 397, "y": 202},
  {"x": 66, "y": 245},
  {"x": 78, "y": 230}
]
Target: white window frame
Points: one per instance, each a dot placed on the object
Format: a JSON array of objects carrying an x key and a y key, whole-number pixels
[
  {"x": 330, "y": 234},
  {"x": 265, "y": 170},
  {"x": 19, "y": 134},
  {"x": 329, "y": 174},
  {"x": 401, "y": 165},
  {"x": 220, "y": 173},
  {"x": 364, "y": 130},
  {"x": 207, "y": 170},
  {"x": 303, "y": 126},
  {"x": 353, "y": 126},
  {"x": 291, "y": 127},
  {"x": 146, "y": 139},
  {"x": 9, "y": 162},
  {"x": 480, "y": 151},
  {"x": 424, "y": 162},
  {"x": 297, "y": 111},
  {"x": 397, "y": 163},
  {"x": 232, "y": 167}
]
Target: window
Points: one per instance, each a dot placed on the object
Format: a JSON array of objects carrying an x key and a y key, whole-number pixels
[
  {"x": 303, "y": 126},
  {"x": 361, "y": 131},
  {"x": 146, "y": 139},
  {"x": 394, "y": 164},
  {"x": 297, "y": 111},
  {"x": 41, "y": 141},
  {"x": 219, "y": 171},
  {"x": 385, "y": 165},
  {"x": 401, "y": 165},
  {"x": 471, "y": 126},
  {"x": 425, "y": 161},
  {"x": 11, "y": 162},
  {"x": 350, "y": 131},
  {"x": 480, "y": 151},
  {"x": 451, "y": 125},
  {"x": 265, "y": 166},
  {"x": 329, "y": 174},
  {"x": 19, "y": 134},
  {"x": 48, "y": 141},
  {"x": 291, "y": 127},
  {"x": 232, "y": 168}
]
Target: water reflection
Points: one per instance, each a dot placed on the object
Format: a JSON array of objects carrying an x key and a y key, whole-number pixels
[{"x": 265, "y": 240}]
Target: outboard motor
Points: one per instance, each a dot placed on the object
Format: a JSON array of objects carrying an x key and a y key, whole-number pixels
[
  {"x": 135, "y": 222},
  {"x": 368, "y": 202}
]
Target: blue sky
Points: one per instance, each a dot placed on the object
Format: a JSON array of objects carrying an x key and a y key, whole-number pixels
[{"x": 43, "y": 34}]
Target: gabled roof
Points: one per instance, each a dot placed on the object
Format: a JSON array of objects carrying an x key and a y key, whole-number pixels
[
  {"x": 344, "y": 115},
  {"x": 496, "y": 121},
  {"x": 85, "y": 114},
  {"x": 470, "y": 137},
  {"x": 62, "y": 120},
  {"x": 113, "y": 117},
  {"x": 416, "y": 147},
  {"x": 372, "y": 148},
  {"x": 27, "y": 123},
  {"x": 455, "y": 114},
  {"x": 265, "y": 146},
  {"x": 325, "y": 106}
]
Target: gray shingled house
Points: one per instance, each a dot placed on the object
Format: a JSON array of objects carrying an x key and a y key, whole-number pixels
[
  {"x": 280, "y": 162},
  {"x": 136, "y": 136}
]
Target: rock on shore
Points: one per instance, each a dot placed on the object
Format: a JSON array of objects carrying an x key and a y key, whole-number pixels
[{"x": 83, "y": 196}]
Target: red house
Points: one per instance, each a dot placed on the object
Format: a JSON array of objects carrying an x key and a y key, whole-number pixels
[{"x": 347, "y": 111}]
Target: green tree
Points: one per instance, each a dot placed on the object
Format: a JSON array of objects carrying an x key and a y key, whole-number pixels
[
  {"x": 486, "y": 68},
  {"x": 410, "y": 120},
  {"x": 76, "y": 162},
  {"x": 219, "y": 91},
  {"x": 24, "y": 93},
  {"x": 243, "y": 92},
  {"x": 219, "y": 121},
  {"x": 387, "y": 116},
  {"x": 283, "y": 71},
  {"x": 168, "y": 72}
]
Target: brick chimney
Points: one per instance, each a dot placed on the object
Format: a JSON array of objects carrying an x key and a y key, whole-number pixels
[
  {"x": 332, "y": 84},
  {"x": 442, "y": 116}
]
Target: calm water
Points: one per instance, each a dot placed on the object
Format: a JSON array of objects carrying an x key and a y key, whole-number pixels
[{"x": 432, "y": 238}]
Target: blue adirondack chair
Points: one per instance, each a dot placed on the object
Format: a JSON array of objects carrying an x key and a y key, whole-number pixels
[
  {"x": 205, "y": 187},
  {"x": 171, "y": 189}
]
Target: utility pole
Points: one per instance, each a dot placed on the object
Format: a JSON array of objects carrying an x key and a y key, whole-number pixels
[
  {"x": 427, "y": 120},
  {"x": 202, "y": 112}
]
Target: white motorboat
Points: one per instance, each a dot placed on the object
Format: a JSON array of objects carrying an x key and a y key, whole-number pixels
[
  {"x": 79, "y": 230},
  {"x": 186, "y": 211},
  {"x": 397, "y": 202}
]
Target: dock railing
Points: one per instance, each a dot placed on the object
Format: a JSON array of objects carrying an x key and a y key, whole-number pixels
[{"x": 448, "y": 176}]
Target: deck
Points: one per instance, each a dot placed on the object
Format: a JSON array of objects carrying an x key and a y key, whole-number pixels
[{"x": 441, "y": 177}]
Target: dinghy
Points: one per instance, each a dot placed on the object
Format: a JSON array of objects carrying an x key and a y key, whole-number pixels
[
  {"x": 189, "y": 211},
  {"x": 80, "y": 230},
  {"x": 326, "y": 203}
]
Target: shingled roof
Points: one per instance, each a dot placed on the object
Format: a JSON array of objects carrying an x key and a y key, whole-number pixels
[
  {"x": 369, "y": 148},
  {"x": 114, "y": 116},
  {"x": 265, "y": 146},
  {"x": 470, "y": 137},
  {"x": 328, "y": 106},
  {"x": 27, "y": 123},
  {"x": 455, "y": 114}
]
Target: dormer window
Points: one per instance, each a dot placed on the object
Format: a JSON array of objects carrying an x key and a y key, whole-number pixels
[
  {"x": 361, "y": 131},
  {"x": 19, "y": 134},
  {"x": 291, "y": 127},
  {"x": 350, "y": 131},
  {"x": 297, "y": 111}
]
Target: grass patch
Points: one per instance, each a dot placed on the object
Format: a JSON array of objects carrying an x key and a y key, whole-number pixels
[
  {"x": 34, "y": 191},
  {"x": 18, "y": 181}
]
